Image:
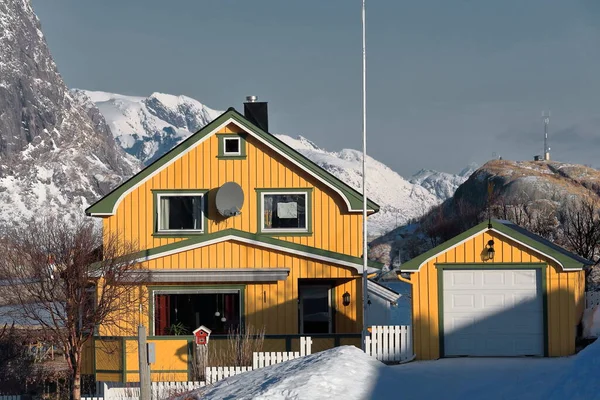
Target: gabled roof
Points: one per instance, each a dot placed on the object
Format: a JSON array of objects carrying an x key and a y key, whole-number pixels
[
  {"x": 565, "y": 259},
  {"x": 258, "y": 240},
  {"x": 353, "y": 199}
]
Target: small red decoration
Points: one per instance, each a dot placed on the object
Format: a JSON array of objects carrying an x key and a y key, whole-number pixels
[{"x": 201, "y": 335}]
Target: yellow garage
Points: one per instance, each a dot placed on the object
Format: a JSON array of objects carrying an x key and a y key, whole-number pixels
[{"x": 496, "y": 290}]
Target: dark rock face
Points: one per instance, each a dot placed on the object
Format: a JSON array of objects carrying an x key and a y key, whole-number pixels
[{"x": 57, "y": 153}]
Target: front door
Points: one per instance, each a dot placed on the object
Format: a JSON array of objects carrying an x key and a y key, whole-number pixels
[{"x": 315, "y": 309}]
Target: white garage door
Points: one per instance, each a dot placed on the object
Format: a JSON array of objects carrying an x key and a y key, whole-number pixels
[{"x": 493, "y": 313}]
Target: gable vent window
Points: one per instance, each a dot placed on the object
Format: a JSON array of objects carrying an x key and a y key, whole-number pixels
[
  {"x": 231, "y": 146},
  {"x": 285, "y": 212},
  {"x": 180, "y": 212}
]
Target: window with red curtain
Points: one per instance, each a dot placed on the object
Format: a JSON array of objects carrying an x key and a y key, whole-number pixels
[{"x": 182, "y": 313}]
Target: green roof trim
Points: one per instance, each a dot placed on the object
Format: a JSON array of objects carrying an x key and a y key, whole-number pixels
[
  {"x": 183, "y": 245},
  {"x": 567, "y": 260},
  {"x": 106, "y": 205}
]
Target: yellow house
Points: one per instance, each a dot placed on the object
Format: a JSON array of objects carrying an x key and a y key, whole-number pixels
[
  {"x": 496, "y": 290},
  {"x": 239, "y": 231}
]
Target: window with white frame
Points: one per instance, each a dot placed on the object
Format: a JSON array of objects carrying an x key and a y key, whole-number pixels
[
  {"x": 284, "y": 212},
  {"x": 180, "y": 212},
  {"x": 232, "y": 146}
]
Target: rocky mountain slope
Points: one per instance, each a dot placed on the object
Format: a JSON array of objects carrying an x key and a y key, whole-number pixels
[
  {"x": 147, "y": 127},
  {"x": 533, "y": 194},
  {"x": 57, "y": 153}
]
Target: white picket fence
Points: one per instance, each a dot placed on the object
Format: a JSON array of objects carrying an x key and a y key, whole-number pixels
[
  {"x": 386, "y": 343},
  {"x": 592, "y": 299},
  {"x": 131, "y": 391},
  {"x": 390, "y": 343},
  {"x": 215, "y": 374},
  {"x": 264, "y": 359}
]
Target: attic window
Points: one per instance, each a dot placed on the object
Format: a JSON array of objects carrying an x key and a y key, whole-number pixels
[{"x": 232, "y": 146}]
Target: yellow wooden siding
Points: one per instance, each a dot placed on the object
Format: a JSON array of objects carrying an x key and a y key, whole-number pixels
[
  {"x": 270, "y": 305},
  {"x": 87, "y": 358},
  {"x": 333, "y": 227},
  {"x": 565, "y": 292}
]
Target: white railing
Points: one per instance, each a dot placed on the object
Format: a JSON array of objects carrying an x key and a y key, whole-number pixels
[
  {"x": 10, "y": 397},
  {"x": 390, "y": 343},
  {"x": 592, "y": 299}
]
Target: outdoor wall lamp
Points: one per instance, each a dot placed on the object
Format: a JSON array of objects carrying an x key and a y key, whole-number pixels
[
  {"x": 490, "y": 250},
  {"x": 346, "y": 299}
]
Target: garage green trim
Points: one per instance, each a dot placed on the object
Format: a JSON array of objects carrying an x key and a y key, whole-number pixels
[
  {"x": 525, "y": 266},
  {"x": 567, "y": 261}
]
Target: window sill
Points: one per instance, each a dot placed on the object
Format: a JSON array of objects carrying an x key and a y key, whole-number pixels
[
  {"x": 224, "y": 157},
  {"x": 284, "y": 233},
  {"x": 177, "y": 234}
]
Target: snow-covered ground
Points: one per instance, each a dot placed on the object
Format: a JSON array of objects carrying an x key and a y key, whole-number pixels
[{"x": 347, "y": 373}]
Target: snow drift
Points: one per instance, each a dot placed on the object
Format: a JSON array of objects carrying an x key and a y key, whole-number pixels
[
  {"x": 342, "y": 373},
  {"x": 580, "y": 381}
]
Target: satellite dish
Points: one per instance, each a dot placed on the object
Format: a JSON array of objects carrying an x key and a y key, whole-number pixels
[{"x": 229, "y": 199}]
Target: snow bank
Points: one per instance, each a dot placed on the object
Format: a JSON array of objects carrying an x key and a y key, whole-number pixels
[
  {"x": 580, "y": 380},
  {"x": 344, "y": 372}
]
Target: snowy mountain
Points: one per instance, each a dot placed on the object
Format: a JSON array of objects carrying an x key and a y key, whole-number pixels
[
  {"x": 147, "y": 127},
  {"x": 442, "y": 184},
  {"x": 56, "y": 151},
  {"x": 400, "y": 200}
]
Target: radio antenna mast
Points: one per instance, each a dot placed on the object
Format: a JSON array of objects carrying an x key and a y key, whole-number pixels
[{"x": 546, "y": 119}]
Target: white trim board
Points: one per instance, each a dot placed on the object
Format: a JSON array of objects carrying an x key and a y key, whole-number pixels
[
  {"x": 357, "y": 266},
  {"x": 214, "y": 131}
]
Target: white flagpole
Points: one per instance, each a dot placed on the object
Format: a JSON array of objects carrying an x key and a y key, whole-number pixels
[{"x": 364, "y": 174}]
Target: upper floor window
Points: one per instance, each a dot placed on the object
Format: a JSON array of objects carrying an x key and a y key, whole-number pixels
[
  {"x": 285, "y": 211},
  {"x": 180, "y": 212}
]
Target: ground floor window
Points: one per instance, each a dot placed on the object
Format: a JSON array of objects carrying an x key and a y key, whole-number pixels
[{"x": 179, "y": 313}]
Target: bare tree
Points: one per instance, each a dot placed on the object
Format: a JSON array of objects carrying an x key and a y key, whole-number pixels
[
  {"x": 580, "y": 222},
  {"x": 68, "y": 279}
]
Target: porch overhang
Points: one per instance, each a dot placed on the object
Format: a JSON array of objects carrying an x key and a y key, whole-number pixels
[{"x": 208, "y": 275}]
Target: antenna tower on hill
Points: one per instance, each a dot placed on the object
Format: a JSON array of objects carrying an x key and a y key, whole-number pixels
[{"x": 546, "y": 119}]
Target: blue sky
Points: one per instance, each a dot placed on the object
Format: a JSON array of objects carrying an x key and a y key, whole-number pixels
[{"x": 449, "y": 81}]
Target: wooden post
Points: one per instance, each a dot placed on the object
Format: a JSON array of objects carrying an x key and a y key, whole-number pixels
[
  {"x": 201, "y": 361},
  {"x": 144, "y": 366}
]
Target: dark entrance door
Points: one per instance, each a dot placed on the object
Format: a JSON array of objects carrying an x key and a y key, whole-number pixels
[{"x": 315, "y": 309}]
